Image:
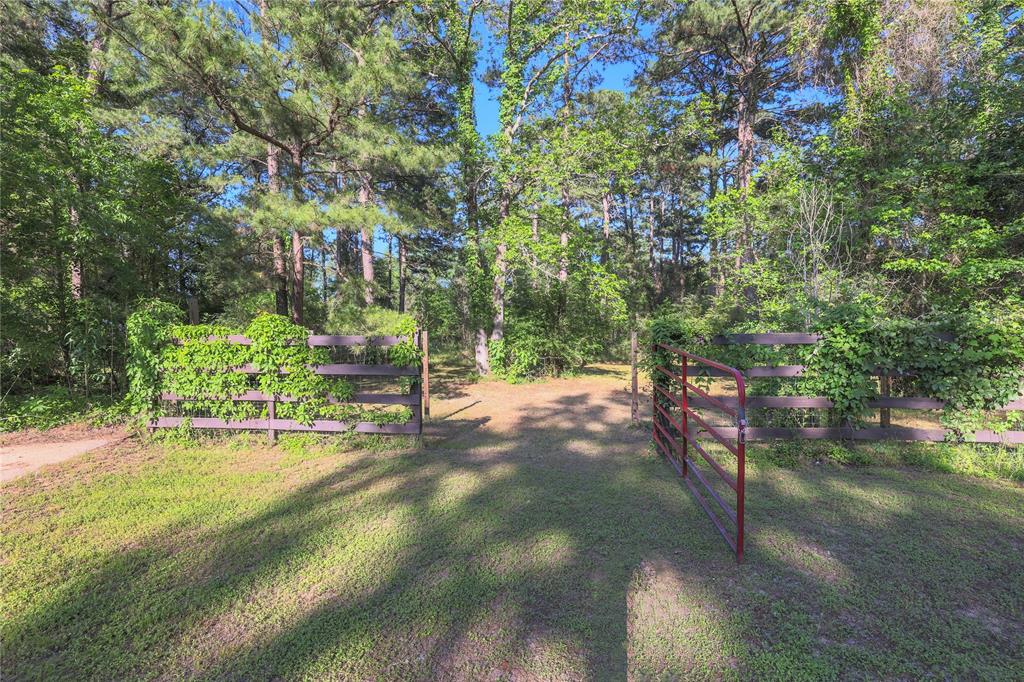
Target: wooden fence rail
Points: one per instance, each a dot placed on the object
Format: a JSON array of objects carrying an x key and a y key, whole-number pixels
[
  {"x": 271, "y": 424},
  {"x": 883, "y": 403}
]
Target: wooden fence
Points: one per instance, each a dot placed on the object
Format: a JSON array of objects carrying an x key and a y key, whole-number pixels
[
  {"x": 884, "y": 403},
  {"x": 418, "y": 399}
]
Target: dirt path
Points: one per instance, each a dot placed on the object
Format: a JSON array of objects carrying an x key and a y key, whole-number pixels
[
  {"x": 26, "y": 452},
  {"x": 592, "y": 410}
]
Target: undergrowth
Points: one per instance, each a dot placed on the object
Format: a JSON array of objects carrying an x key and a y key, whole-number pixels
[{"x": 980, "y": 461}]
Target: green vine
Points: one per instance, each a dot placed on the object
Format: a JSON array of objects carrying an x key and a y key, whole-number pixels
[
  {"x": 973, "y": 361},
  {"x": 198, "y": 363}
]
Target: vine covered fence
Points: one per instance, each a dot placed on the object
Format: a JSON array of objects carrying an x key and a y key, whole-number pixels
[
  {"x": 326, "y": 401},
  {"x": 884, "y": 402}
]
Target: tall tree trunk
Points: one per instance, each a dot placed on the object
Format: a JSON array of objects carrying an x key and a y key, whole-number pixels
[
  {"x": 94, "y": 76},
  {"x": 323, "y": 275},
  {"x": 75, "y": 269},
  {"x": 342, "y": 255},
  {"x": 563, "y": 260},
  {"x": 298, "y": 277},
  {"x": 650, "y": 248},
  {"x": 298, "y": 256},
  {"x": 745, "y": 116},
  {"x": 391, "y": 272},
  {"x": 401, "y": 275},
  {"x": 480, "y": 350},
  {"x": 342, "y": 241},
  {"x": 366, "y": 241},
  {"x": 746, "y": 112},
  {"x": 280, "y": 274},
  {"x": 715, "y": 267},
  {"x": 98, "y": 43},
  {"x": 563, "y": 238},
  {"x": 500, "y": 275},
  {"x": 677, "y": 247},
  {"x": 606, "y": 218}
]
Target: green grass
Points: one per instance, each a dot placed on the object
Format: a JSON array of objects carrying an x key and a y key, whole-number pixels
[
  {"x": 970, "y": 459},
  {"x": 561, "y": 548}
]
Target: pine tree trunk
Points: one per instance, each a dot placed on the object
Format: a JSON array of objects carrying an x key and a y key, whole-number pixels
[
  {"x": 563, "y": 261},
  {"x": 391, "y": 271},
  {"x": 746, "y": 113},
  {"x": 98, "y": 42},
  {"x": 366, "y": 241},
  {"x": 75, "y": 269},
  {"x": 298, "y": 277},
  {"x": 650, "y": 254},
  {"x": 606, "y": 217},
  {"x": 342, "y": 242},
  {"x": 481, "y": 352},
  {"x": 714, "y": 271},
  {"x": 323, "y": 275},
  {"x": 401, "y": 275},
  {"x": 280, "y": 274},
  {"x": 563, "y": 238},
  {"x": 298, "y": 257}
]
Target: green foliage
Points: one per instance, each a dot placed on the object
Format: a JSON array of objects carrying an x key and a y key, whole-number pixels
[
  {"x": 76, "y": 195},
  {"x": 197, "y": 363},
  {"x": 148, "y": 331},
  {"x": 377, "y": 321},
  {"x": 973, "y": 361},
  {"x": 531, "y": 349},
  {"x": 849, "y": 456},
  {"x": 52, "y": 407},
  {"x": 405, "y": 354}
]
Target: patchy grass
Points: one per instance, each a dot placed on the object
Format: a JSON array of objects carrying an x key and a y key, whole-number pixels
[
  {"x": 969, "y": 459},
  {"x": 532, "y": 535}
]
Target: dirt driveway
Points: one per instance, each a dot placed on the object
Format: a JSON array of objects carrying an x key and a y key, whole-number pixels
[{"x": 29, "y": 451}]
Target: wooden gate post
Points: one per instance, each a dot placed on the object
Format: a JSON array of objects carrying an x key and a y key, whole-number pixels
[
  {"x": 426, "y": 374},
  {"x": 632, "y": 363}
]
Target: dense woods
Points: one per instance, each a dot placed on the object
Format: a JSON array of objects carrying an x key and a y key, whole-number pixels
[{"x": 764, "y": 166}]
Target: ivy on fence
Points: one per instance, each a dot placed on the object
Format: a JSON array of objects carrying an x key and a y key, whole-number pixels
[
  {"x": 973, "y": 361},
  {"x": 197, "y": 363}
]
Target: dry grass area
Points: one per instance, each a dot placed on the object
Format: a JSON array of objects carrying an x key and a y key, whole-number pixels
[{"x": 533, "y": 534}]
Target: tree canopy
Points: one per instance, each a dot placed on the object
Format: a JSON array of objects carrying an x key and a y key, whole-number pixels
[{"x": 762, "y": 163}]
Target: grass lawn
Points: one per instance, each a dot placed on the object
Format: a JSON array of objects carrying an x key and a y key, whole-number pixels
[{"x": 534, "y": 535}]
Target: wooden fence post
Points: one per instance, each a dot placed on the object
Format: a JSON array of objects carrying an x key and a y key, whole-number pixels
[
  {"x": 632, "y": 363},
  {"x": 271, "y": 416},
  {"x": 426, "y": 375},
  {"x": 884, "y": 389}
]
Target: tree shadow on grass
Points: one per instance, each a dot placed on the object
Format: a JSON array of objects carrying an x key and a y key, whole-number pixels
[{"x": 559, "y": 548}]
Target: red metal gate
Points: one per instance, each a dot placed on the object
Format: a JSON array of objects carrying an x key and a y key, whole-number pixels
[{"x": 669, "y": 432}]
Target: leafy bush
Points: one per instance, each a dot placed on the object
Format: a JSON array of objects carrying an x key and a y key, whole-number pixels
[
  {"x": 349, "y": 318},
  {"x": 148, "y": 330},
  {"x": 530, "y": 349},
  {"x": 374, "y": 321},
  {"x": 53, "y": 407}
]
